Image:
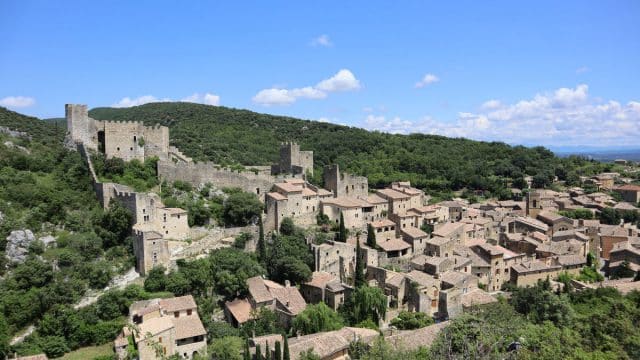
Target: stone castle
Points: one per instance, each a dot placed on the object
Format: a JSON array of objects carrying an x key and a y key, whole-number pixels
[
  {"x": 125, "y": 140},
  {"x": 153, "y": 223},
  {"x": 282, "y": 186}
]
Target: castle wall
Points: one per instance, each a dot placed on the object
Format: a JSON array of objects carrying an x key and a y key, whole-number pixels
[
  {"x": 156, "y": 141},
  {"x": 121, "y": 140},
  {"x": 344, "y": 184},
  {"x": 305, "y": 161},
  {"x": 206, "y": 172}
]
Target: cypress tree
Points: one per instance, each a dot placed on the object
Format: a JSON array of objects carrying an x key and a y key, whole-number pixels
[
  {"x": 285, "y": 353},
  {"x": 359, "y": 276},
  {"x": 262, "y": 245},
  {"x": 267, "y": 353},
  {"x": 246, "y": 354},
  {"x": 342, "y": 232},
  {"x": 371, "y": 237},
  {"x": 258, "y": 352},
  {"x": 278, "y": 351}
]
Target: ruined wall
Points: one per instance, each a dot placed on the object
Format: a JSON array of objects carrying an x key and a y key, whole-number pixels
[
  {"x": 129, "y": 200},
  {"x": 344, "y": 184},
  {"x": 212, "y": 239},
  {"x": 293, "y": 161},
  {"x": 304, "y": 163},
  {"x": 206, "y": 172},
  {"x": 121, "y": 140}
]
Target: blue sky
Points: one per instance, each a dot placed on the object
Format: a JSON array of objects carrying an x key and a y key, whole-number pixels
[{"x": 540, "y": 72}]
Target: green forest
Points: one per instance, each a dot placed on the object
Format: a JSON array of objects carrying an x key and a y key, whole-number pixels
[
  {"x": 435, "y": 163},
  {"x": 45, "y": 188}
]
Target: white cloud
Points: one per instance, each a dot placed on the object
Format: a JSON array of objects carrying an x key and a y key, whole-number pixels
[
  {"x": 568, "y": 97},
  {"x": 145, "y": 99},
  {"x": 17, "y": 101},
  {"x": 491, "y": 104},
  {"x": 333, "y": 120},
  {"x": 582, "y": 69},
  {"x": 564, "y": 117},
  {"x": 428, "y": 79},
  {"x": 343, "y": 80},
  {"x": 322, "y": 40},
  {"x": 274, "y": 96},
  {"x": 211, "y": 99},
  {"x": 394, "y": 125},
  {"x": 308, "y": 92},
  {"x": 207, "y": 98}
]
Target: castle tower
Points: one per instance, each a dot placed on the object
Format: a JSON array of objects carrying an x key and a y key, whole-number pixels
[
  {"x": 289, "y": 153},
  {"x": 344, "y": 184},
  {"x": 534, "y": 203},
  {"x": 293, "y": 161},
  {"x": 331, "y": 179},
  {"x": 78, "y": 123}
]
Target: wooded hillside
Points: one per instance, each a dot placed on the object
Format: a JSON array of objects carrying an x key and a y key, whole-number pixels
[{"x": 437, "y": 163}]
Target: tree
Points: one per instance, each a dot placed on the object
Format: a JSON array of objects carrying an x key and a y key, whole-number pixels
[
  {"x": 278, "y": 351},
  {"x": 230, "y": 268},
  {"x": 285, "y": 351},
  {"x": 267, "y": 352},
  {"x": 365, "y": 303},
  {"x": 240, "y": 208},
  {"x": 240, "y": 242},
  {"x": 292, "y": 269},
  {"x": 4, "y": 337},
  {"x": 342, "y": 230},
  {"x": 262, "y": 244},
  {"x": 411, "y": 320},
  {"x": 156, "y": 279},
  {"x": 371, "y": 237},
  {"x": 359, "y": 272},
  {"x": 221, "y": 329},
  {"x": 308, "y": 355},
  {"x": 538, "y": 304},
  {"x": 322, "y": 218},
  {"x": 316, "y": 318},
  {"x": 116, "y": 224},
  {"x": 520, "y": 183},
  {"x": 290, "y": 259},
  {"x": 259, "y": 352},
  {"x": 287, "y": 227},
  {"x": 380, "y": 349},
  {"x": 54, "y": 346},
  {"x": 263, "y": 321},
  {"x": 227, "y": 348},
  {"x": 591, "y": 259},
  {"x": 629, "y": 216},
  {"x": 246, "y": 354},
  {"x": 541, "y": 181},
  {"x": 609, "y": 216}
]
